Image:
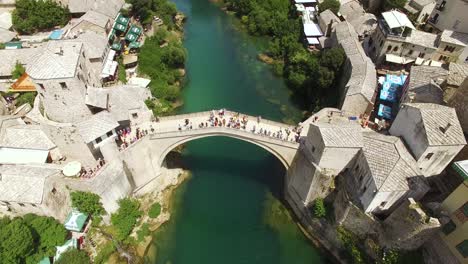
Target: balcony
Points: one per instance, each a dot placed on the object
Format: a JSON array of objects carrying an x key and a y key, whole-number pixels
[
  {"x": 392, "y": 33},
  {"x": 440, "y": 7},
  {"x": 433, "y": 20}
]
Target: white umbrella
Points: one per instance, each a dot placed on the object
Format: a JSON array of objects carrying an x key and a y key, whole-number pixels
[{"x": 72, "y": 169}]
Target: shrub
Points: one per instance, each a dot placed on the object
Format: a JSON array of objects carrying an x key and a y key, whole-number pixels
[
  {"x": 394, "y": 4},
  {"x": 155, "y": 210},
  {"x": 18, "y": 71},
  {"x": 126, "y": 217},
  {"x": 105, "y": 253},
  {"x": 87, "y": 202},
  {"x": 31, "y": 15},
  {"x": 73, "y": 256},
  {"x": 26, "y": 98},
  {"x": 333, "y": 5},
  {"x": 319, "y": 208},
  {"x": 143, "y": 232},
  {"x": 349, "y": 241},
  {"x": 390, "y": 257}
]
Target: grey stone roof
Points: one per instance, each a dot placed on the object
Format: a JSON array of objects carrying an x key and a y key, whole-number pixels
[
  {"x": 94, "y": 44},
  {"x": 423, "y": 2},
  {"x": 6, "y": 35},
  {"x": 95, "y": 18},
  {"x": 456, "y": 38},
  {"x": 424, "y": 84},
  {"x": 340, "y": 135},
  {"x": 97, "y": 97},
  {"x": 457, "y": 74},
  {"x": 389, "y": 162},
  {"x": 436, "y": 119},
  {"x": 421, "y": 38},
  {"x": 23, "y": 183},
  {"x": 11, "y": 56},
  {"x": 26, "y": 137},
  {"x": 363, "y": 79},
  {"x": 96, "y": 126},
  {"x": 58, "y": 59},
  {"x": 326, "y": 17},
  {"x": 353, "y": 12},
  {"x": 109, "y": 8}
]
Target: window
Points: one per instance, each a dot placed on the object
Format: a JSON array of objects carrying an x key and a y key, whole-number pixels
[
  {"x": 462, "y": 213},
  {"x": 135, "y": 115},
  {"x": 389, "y": 48},
  {"x": 466, "y": 59},
  {"x": 21, "y": 204},
  {"x": 449, "y": 227},
  {"x": 364, "y": 190},
  {"x": 381, "y": 42},
  {"x": 33, "y": 205},
  {"x": 463, "y": 248},
  {"x": 357, "y": 168},
  {"x": 410, "y": 52},
  {"x": 109, "y": 134},
  {"x": 429, "y": 155},
  {"x": 361, "y": 177},
  {"x": 421, "y": 55},
  {"x": 465, "y": 209},
  {"x": 42, "y": 86},
  {"x": 382, "y": 204},
  {"x": 81, "y": 67},
  {"x": 395, "y": 49},
  {"x": 83, "y": 55},
  {"x": 53, "y": 191},
  {"x": 98, "y": 140},
  {"x": 63, "y": 85}
]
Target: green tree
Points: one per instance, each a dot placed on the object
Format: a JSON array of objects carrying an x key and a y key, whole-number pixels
[
  {"x": 18, "y": 71},
  {"x": 319, "y": 208},
  {"x": 126, "y": 217},
  {"x": 26, "y": 98},
  {"x": 31, "y": 15},
  {"x": 154, "y": 210},
  {"x": 47, "y": 233},
  {"x": 16, "y": 241},
  {"x": 390, "y": 257},
  {"x": 394, "y": 4},
  {"x": 333, "y": 5},
  {"x": 87, "y": 202},
  {"x": 73, "y": 256},
  {"x": 173, "y": 56}
]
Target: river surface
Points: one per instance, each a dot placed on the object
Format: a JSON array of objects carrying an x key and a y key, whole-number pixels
[{"x": 229, "y": 210}]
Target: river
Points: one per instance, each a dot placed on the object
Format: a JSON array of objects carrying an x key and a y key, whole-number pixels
[{"x": 229, "y": 211}]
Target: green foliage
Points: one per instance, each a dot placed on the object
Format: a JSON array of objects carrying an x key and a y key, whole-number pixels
[
  {"x": 349, "y": 241},
  {"x": 121, "y": 74},
  {"x": 333, "y": 5},
  {"x": 143, "y": 232},
  {"x": 26, "y": 98},
  {"x": 31, "y": 15},
  {"x": 47, "y": 233},
  {"x": 16, "y": 241},
  {"x": 390, "y": 257},
  {"x": 154, "y": 210},
  {"x": 126, "y": 217},
  {"x": 87, "y": 202},
  {"x": 2, "y": 46},
  {"x": 394, "y": 4},
  {"x": 73, "y": 256},
  {"x": 18, "y": 71},
  {"x": 146, "y": 9},
  {"x": 105, "y": 252},
  {"x": 319, "y": 208}
]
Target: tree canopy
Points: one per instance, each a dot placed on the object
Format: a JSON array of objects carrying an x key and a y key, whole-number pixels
[
  {"x": 126, "y": 217},
  {"x": 32, "y": 15},
  {"x": 146, "y": 9},
  {"x": 87, "y": 202},
  {"x": 73, "y": 256},
  {"x": 29, "y": 239},
  {"x": 333, "y": 5},
  {"x": 18, "y": 71},
  {"x": 394, "y": 4}
]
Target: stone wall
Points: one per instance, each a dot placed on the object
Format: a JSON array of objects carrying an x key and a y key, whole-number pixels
[{"x": 408, "y": 227}]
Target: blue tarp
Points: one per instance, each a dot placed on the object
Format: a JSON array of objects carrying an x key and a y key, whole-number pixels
[
  {"x": 389, "y": 87},
  {"x": 56, "y": 34},
  {"x": 396, "y": 79},
  {"x": 385, "y": 111},
  {"x": 387, "y": 96}
]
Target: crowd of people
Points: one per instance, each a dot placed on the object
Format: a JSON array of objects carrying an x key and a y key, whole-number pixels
[
  {"x": 127, "y": 138},
  {"x": 236, "y": 121},
  {"x": 91, "y": 172}
]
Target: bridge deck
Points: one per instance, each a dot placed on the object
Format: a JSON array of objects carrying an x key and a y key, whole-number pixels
[{"x": 172, "y": 124}]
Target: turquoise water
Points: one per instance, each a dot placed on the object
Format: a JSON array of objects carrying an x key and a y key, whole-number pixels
[{"x": 228, "y": 211}]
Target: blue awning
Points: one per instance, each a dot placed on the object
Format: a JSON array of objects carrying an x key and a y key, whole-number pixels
[
  {"x": 389, "y": 87},
  {"x": 387, "y": 96},
  {"x": 385, "y": 111}
]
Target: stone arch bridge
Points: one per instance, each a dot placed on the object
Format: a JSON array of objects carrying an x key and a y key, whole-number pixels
[{"x": 170, "y": 132}]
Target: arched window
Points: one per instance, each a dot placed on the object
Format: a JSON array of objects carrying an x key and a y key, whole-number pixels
[
  {"x": 395, "y": 49},
  {"x": 389, "y": 48}
]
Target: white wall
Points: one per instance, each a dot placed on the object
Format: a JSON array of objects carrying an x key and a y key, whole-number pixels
[{"x": 441, "y": 158}]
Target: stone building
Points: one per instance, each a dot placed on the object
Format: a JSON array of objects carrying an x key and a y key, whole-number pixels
[
  {"x": 77, "y": 8},
  {"x": 358, "y": 83},
  {"x": 449, "y": 14},
  {"x": 421, "y": 9},
  {"x": 460, "y": 102},
  {"x": 451, "y": 47},
  {"x": 433, "y": 134},
  {"x": 424, "y": 85}
]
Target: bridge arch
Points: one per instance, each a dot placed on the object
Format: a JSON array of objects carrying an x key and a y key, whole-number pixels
[{"x": 283, "y": 151}]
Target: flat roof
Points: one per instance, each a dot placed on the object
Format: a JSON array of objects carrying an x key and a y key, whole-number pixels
[
  {"x": 312, "y": 30},
  {"x": 313, "y": 41},
  {"x": 22, "y": 156},
  {"x": 396, "y": 19}
]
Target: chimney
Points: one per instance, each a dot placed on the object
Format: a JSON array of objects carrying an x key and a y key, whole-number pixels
[{"x": 446, "y": 128}]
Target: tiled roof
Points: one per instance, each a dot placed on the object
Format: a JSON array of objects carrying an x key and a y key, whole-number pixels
[
  {"x": 340, "y": 135},
  {"x": 389, "y": 162},
  {"x": 96, "y": 18},
  {"x": 109, "y": 8},
  {"x": 421, "y": 38},
  {"x": 6, "y": 35},
  {"x": 22, "y": 183},
  {"x": 125, "y": 98},
  {"x": 457, "y": 38},
  {"x": 425, "y": 82},
  {"x": 26, "y": 137},
  {"x": 96, "y": 126},
  {"x": 11, "y": 56},
  {"x": 441, "y": 124},
  {"x": 94, "y": 44},
  {"x": 363, "y": 77},
  {"x": 58, "y": 59},
  {"x": 457, "y": 74}
]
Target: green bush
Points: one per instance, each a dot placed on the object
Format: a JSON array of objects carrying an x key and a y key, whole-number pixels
[
  {"x": 26, "y": 98},
  {"x": 31, "y": 15},
  {"x": 390, "y": 257},
  {"x": 87, "y": 202},
  {"x": 121, "y": 74},
  {"x": 143, "y": 232},
  {"x": 333, "y": 5},
  {"x": 105, "y": 252},
  {"x": 17, "y": 71},
  {"x": 73, "y": 256},
  {"x": 155, "y": 210},
  {"x": 394, "y": 4},
  {"x": 319, "y": 208},
  {"x": 349, "y": 241},
  {"x": 126, "y": 217}
]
